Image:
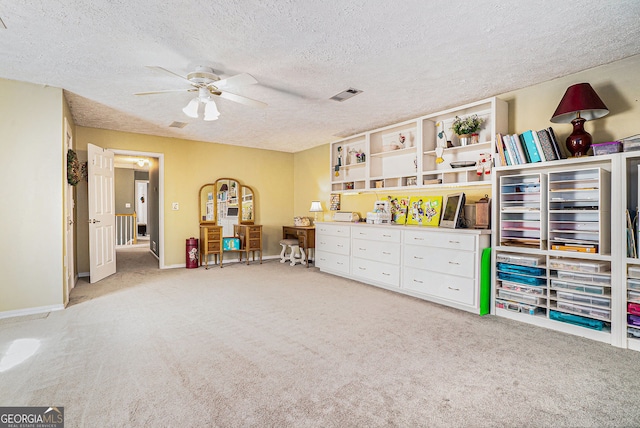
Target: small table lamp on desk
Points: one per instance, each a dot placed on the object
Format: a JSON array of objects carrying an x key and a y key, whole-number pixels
[
  {"x": 306, "y": 235},
  {"x": 316, "y": 207}
]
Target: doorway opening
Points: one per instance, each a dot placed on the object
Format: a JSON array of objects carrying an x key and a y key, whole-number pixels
[{"x": 139, "y": 193}]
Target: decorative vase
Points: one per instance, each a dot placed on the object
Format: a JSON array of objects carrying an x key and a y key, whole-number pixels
[{"x": 465, "y": 139}]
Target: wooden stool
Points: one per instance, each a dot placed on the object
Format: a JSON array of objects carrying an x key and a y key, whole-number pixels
[{"x": 297, "y": 253}]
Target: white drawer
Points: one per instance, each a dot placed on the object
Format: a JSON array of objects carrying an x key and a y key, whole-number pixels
[
  {"x": 457, "y": 289},
  {"x": 376, "y": 250},
  {"x": 374, "y": 234},
  {"x": 454, "y": 262},
  {"x": 455, "y": 241},
  {"x": 332, "y": 262},
  {"x": 376, "y": 271},
  {"x": 333, "y": 244},
  {"x": 333, "y": 230}
]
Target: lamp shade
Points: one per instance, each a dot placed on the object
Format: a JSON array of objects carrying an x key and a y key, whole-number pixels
[
  {"x": 579, "y": 100},
  {"x": 211, "y": 111},
  {"x": 191, "y": 109},
  {"x": 316, "y": 207}
]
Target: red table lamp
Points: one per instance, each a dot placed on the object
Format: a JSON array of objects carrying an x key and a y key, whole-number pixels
[{"x": 579, "y": 104}]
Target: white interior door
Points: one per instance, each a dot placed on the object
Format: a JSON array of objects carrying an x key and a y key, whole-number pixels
[
  {"x": 69, "y": 259},
  {"x": 102, "y": 217}
]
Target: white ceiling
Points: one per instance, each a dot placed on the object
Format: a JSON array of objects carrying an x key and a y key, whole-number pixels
[{"x": 410, "y": 58}]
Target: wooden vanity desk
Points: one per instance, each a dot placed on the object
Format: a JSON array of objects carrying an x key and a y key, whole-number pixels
[{"x": 306, "y": 235}]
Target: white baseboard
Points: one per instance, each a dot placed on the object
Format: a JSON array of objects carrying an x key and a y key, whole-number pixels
[
  {"x": 224, "y": 262},
  {"x": 83, "y": 274},
  {"x": 31, "y": 311}
]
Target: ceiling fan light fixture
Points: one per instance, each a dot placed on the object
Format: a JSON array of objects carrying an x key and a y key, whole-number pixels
[
  {"x": 211, "y": 110},
  {"x": 191, "y": 109}
]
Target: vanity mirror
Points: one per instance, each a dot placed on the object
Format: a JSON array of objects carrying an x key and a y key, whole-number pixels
[
  {"x": 227, "y": 210},
  {"x": 227, "y": 202}
]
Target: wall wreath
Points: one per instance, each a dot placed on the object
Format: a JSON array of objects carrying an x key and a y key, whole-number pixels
[{"x": 75, "y": 170}]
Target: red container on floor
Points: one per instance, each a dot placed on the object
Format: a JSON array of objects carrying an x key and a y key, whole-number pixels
[{"x": 192, "y": 253}]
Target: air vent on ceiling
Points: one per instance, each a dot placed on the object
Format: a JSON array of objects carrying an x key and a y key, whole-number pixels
[
  {"x": 178, "y": 125},
  {"x": 345, "y": 95}
]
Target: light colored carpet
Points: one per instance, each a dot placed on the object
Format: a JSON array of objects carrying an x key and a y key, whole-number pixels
[{"x": 278, "y": 346}]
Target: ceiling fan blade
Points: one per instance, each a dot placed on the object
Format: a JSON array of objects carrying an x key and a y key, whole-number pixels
[
  {"x": 155, "y": 67},
  {"x": 237, "y": 80},
  {"x": 242, "y": 100},
  {"x": 166, "y": 91}
]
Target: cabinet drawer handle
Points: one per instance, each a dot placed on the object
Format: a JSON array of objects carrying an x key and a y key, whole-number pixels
[
  {"x": 454, "y": 289},
  {"x": 323, "y": 243},
  {"x": 339, "y": 263},
  {"x": 362, "y": 249},
  {"x": 324, "y": 260},
  {"x": 418, "y": 281},
  {"x": 454, "y": 242},
  {"x": 340, "y": 245},
  {"x": 361, "y": 268},
  {"x": 454, "y": 263},
  {"x": 386, "y": 253},
  {"x": 386, "y": 274},
  {"x": 362, "y": 233},
  {"x": 418, "y": 258},
  {"x": 387, "y": 236},
  {"x": 418, "y": 239}
]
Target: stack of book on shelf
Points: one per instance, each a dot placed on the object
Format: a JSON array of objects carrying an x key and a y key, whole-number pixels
[{"x": 528, "y": 147}]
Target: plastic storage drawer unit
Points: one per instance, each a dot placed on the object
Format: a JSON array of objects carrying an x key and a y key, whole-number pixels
[
  {"x": 634, "y": 271},
  {"x": 585, "y": 278},
  {"x": 520, "y": 260},
  {"x": 579, "y": 265},
  {"x": 633, "y": 284},
  {"x": 591, "y": 289},
  {"x": 523, "y": 298},
  {"x": 523, "y": 288},
  {"x": 581, "y": 298},
  {"x": 584, "y": 310}
]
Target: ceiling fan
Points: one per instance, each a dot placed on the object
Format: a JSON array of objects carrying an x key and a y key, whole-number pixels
[{"x": 209, "y": 85}]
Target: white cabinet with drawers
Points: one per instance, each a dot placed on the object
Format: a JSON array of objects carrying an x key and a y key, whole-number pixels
[
  {"x": 333, "y": 248},
  {"x": 375, "y": 255},
  {"x": 440, "y": 265},
  {"x": 444, "y": 267}
]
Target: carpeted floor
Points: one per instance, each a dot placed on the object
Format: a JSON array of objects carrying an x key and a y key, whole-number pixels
[{"x": 278, "y": 346}]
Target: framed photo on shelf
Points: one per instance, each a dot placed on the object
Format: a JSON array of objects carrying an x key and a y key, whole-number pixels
[{"x": 334, "y": 202}]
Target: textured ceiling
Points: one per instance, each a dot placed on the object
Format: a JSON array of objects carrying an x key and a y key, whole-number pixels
[{"x": 410, "y": 58}]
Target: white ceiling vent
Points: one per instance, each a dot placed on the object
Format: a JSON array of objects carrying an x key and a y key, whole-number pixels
[
  {"x": 178, "y": 125},
  {"x": 345, "y": 95}
]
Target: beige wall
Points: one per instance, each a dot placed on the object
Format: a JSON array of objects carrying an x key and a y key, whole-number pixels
[
  {"x": 124, "y": 182},
  {"x": 529, "y": 108},
  {"x": 617, "y": 84},
  {"x": 33, "y": 175},
  {"x": 311, "y": 184},
  {"x": 190, "y": 164}
]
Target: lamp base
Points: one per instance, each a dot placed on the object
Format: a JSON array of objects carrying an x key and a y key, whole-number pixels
[{"x": 579, "y": 142}]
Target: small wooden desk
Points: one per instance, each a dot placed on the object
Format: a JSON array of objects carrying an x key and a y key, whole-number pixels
[{"x": 306, "y": 236}]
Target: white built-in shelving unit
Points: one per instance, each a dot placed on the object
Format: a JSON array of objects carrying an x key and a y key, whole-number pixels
[
  {"x": 403, "y": 155},
  {"x": 562, "y": 230}
]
